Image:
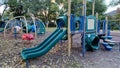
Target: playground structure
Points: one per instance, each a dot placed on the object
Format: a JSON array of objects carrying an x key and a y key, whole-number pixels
[
  {"x": 53, "y": 49},
  {"x": 92, "y": 40},
  {"x": 37, "y": 27},
  {"x": 87, "y": 26},
  {"x": 23, "y": 25},
  {"x": 20, "y": 22},
  {"x": 12, "y": 23}
]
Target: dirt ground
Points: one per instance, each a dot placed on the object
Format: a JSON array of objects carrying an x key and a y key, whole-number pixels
[{"x": 57, "y": 57}]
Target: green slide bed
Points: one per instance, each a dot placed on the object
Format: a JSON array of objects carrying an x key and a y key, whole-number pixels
[{"x": 45, "y": 46}]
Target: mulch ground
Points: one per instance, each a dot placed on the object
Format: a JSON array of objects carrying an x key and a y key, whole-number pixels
[{"x": 10, "y": 49}]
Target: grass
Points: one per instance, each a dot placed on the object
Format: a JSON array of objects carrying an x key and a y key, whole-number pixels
[
  {"x": 50, "y": 29},
  {"x": 115, "y": 30}
]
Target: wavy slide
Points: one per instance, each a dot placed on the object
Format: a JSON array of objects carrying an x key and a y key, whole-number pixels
[{"x": 45, "y": 46}]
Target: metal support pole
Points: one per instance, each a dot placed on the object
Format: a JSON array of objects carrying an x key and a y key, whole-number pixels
[
  {"x": 83, "y": 46},
  {"x": 69, "y": 33},
  {"x": 27, "y": 63},
  {"x": 15, "y": 32}
]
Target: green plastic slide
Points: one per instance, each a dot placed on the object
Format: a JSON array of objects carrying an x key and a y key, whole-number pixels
[
  {"x": 45, "y": 46},
  {"x": 50, "y": 37}
]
